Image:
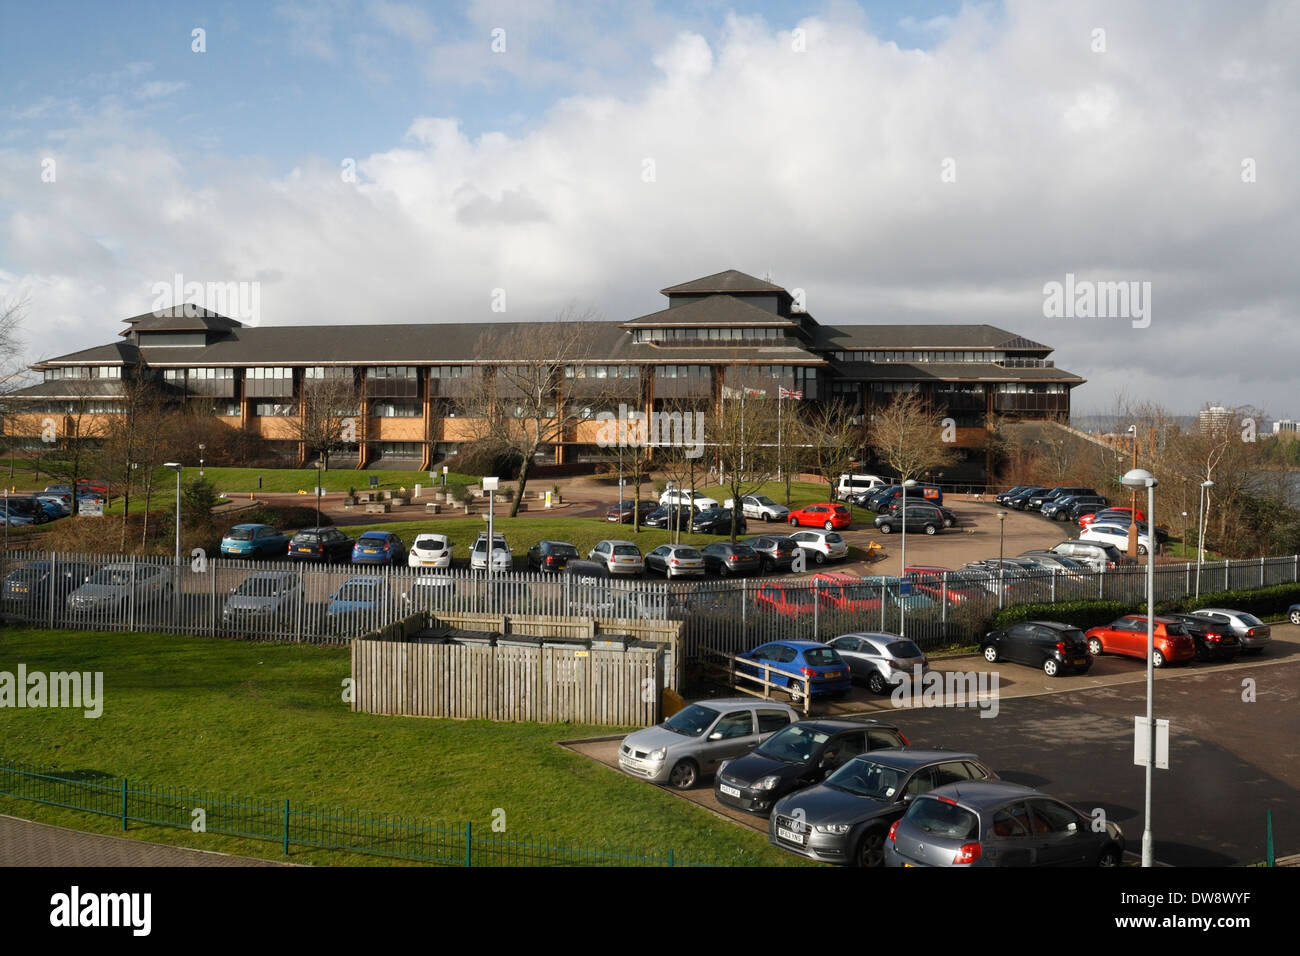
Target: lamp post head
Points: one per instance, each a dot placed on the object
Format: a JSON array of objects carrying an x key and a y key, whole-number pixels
[
  {"x": 1207, "y": 483},
  {"x": 1002, "y": 516},
  {"x": 910, "y": 483},
  {"x": 1139, "y": 478},
  {"x": 173, "y": 465}
]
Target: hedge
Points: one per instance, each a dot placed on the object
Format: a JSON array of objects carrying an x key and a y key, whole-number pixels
[{"x": 1272, "y": 601}]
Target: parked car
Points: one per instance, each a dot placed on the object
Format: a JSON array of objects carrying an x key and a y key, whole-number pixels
[
  {"x": 623, "y": 513},
  {"x": 788, "y": 663},
  {"x": 694, "y": 741},
  {"x": 761, "y": 507},
  {"x": 551, "y": 555},
  {"x": 1215, "y": 637},
  {"x": 1037, "y": 501},
  {"x": 874, "y": 500},
  {"x": 846, "y": 818},
  {"x": 821, "y": 546},
  {"x": 37, "y": 583},
  {"x": 851, "y": 485},
  {"x": 1049, "y": 645},
  {"x": 892, "y": 590},
  {"x": 775, "y": 552},
  {"x": 918, "y": 517},
  {"x": 798, "y": 756},
  {"x": 264, "y": 597},
  {"x": 619, "y": 557},
  {"x": 879, "y": 659},
  {"x": 1056, "y": 563},
  {"x": 15, "y": 520},
  {"x": 1293, "y": 613},
  {"x": 1059, "y": 509},
  {"x": 1125, "y": 514},
  {"x": 846, "y": 592},
  {"x": 359, "y": 595},
  {"x": 1097, "y": 555},
  {"x": 716, "y": 521},
  {"x": 787, "y": 600},
  {"x": 670, "y": 517},
  {"x": 26, "y": 506},
  {"x": 1127, "y": 636},
  {"x": 995, "y": 823},
  {"x": 322, "y": 545},
  {"x": 724, "y": 558},
  {"x": 114, "y": 586},
  {"x": 930, "y": 494},
  {"x": 676, "y": 561},
  {"x": 1106, "y": 532},
  {"x": 378, "y": 547},
  {"x": 692, "y": 499},
  {"x": 1253, "y": 633},
  {"x": 943, "y": 586},
  {"x": 430, "y": 551},
  {"x": 53, "y": 507},
  {"x": 1020, "y": 500},
  {"x": 254, "y": 541},
  {"x": 826, "y": 514},
  {"x": 502, "y": 557},
  {"x": 1002, "y": 497},
  {"x": 60, "y": 489}
]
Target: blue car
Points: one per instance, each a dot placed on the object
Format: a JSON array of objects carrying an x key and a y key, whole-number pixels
[
  {"x": 798, "y": 659},
  {"x": 1293, "y": 614},
  {"x": 254, "y": 541},
  {"x": 379, "y": 547},
  {"x": 364, "y": 592}
]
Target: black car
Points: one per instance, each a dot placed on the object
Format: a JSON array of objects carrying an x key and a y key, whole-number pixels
[
  {"x": 1213, "y": 634},
  {"x": 1060, "y": 508},
  {"x": 775, "y": 552},
  {"x": 550, "y": 555},
  {"x": 1037, "y": 501},
  {"x": 724, "y": 558},
  {"x": 1086, "y": 506},
  {"x": 799, "y": 756},
  {"x": 30, "y": 585},
  {"x": 321, "y": 544},
  {"x": 846, "y": 818},
  {"x": 874, "y": 500},
  {"x": 1053, "y": 646},
  {"x": 1020, "y": 500},
  {"x": 27, "y": 507},
  {"x": 716, "y": 521},
  {"x": 920, "y": 517},
  {"x": 1002, "y": 497},
  {"x": 896, "y": 504},
  {"x": 662, "y": 517}
]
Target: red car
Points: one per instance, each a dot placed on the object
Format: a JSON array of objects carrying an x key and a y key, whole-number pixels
[
  {"x": 1086, "y": 520},
  {"x": 824, "y": 514},
  {"x": 845, "y": 592},
  {"x": 787, "y": 602},
  {"x": 1128, "y": 637}
]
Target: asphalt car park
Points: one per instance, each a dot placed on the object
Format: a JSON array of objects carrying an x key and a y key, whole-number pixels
[{"x": 1231, "y": 759}]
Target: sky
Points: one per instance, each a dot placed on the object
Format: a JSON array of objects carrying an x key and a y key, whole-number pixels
[{"x": 361, "y": 161}]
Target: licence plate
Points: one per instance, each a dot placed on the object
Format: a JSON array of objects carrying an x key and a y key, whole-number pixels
[
  {"x": 427, "y": 561},
  {"x": 369, "y": 550},
  {"x": 1079, "y": 662},
  {"x": 233, "y": 550},
  {"x": 832, "y": 674},
  {"x": 729, "y": 791},
  {"x": 19, "y": 590},
  {"x": 788, "y": 835},
  {"x": 303, "y": 550}
]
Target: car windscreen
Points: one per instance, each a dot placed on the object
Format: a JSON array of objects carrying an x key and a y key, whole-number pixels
[
  {"x": 26, "y": 576},
  {"x": 564, "y": 550},
  {"x": 431, "y": 543},
  {"x": 942, "y": 819},
  {"x": 794, "y": 744},
  {"x": 306, "y": 537},
  {"x": 626, "y": 549},
  {"x": 866, "y": 778},
  {"x": 692, "y": 721},
  {"x": 260, "y": 587},
  {"x": 690, "y": 554},
  {"x": 1250, "y": 620},
  {"x": 764, "y": 500}
]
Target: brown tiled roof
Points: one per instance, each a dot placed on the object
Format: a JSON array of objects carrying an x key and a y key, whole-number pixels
[{"x": 727, "y": 281}]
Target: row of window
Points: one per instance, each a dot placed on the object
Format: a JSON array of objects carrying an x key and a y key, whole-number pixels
[
  {"x": 706, "y": 335},
  {"x": 602, "y": 371},
  {"x": 83, "y": 371},
  {"x": 917, "y": 355}
]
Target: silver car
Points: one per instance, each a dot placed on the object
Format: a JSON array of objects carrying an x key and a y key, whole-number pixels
[
  {"x": 1253, "y": 633},
  {"x": 618, "y": 557},
  {"x": 266, "y": 596},
  {"x": 116, "y": 585},
  {"x": 696, "y": 739},
  {"x": 821, "y": 546},
  {"x": 502, "y": 559},
  {"x": 879, "y": 658}
]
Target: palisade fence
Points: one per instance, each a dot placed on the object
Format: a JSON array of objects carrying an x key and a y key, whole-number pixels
[
  {"x": 284, "y": 601},
  {"x": 319, "y": 828}
]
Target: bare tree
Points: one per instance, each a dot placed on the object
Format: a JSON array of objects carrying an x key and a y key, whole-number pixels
[
  {"x": 516, "y": 407},
  {"x": 12, "y": 374},
  {"x": 743, "y": 433},
  {"x": 327, "y": 412},
  {"x": 907, "y": 436},
  {"x": 831, "y": 433}
]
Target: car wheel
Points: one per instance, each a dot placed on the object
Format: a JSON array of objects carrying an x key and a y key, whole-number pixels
[
  {"x": 1157, "y": 659},
  {"x": 767, "y": 518},
  {"x": 767, "y": 565},
  {"x": 991, "y": 654},
  {"x": 1109, "y": 857},
  {"x": 794, "y": 522},
  {"x": 931, "y": 529},
  {"x": 877, "y": 683},
  {"x": 684, "y": 775},
  {"x": 722, "y": 571},
  {"x": 819, "y": 558},
  {"x": 1094, "y": 646},
  {"x": 948, "y": 522},
  {"x": 886, "y": 528},
  {"x": 871, "y": 849},
  {"x": 1295, "y": 617},
  {"x": 1050, "y": 667},
  {"x": 829, "y": 526}
]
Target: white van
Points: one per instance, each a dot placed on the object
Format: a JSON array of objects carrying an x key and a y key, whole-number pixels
[{"x": 855, "y": 484}]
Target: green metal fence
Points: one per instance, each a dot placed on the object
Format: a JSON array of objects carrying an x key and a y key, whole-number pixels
[{"x": 304, "y": 825}]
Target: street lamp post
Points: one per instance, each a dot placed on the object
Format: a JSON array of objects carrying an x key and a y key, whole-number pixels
[
  {"x": 176, "y": 467},
  {"x": 319, "y": 478},
  {"x": 902, "y": 568},
  {"x": 201, "y": 449},
  {"x": 1206, "y": 485},
  {"x": 1002, "y": 525},
  {"x": 1132, "y": 526},
  {"x": 1140, "y": 478},
  {"x": 490, "y": 486}
]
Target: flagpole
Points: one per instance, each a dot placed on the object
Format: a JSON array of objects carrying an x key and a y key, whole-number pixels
[{"x": 780, "y": 461}]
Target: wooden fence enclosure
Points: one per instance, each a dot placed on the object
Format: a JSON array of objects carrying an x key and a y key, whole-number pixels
[{"x": 507, "y": 682}]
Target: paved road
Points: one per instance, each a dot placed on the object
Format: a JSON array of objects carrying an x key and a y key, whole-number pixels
[
  {"x": 25, "y": 843},
  {"x": 1231, "y": 760}
]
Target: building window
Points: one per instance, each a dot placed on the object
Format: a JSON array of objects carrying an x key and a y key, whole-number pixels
[
  {"x": 396, "y": 410},
  {"x": 399, "y": 449},
  {"x": 275, "y": 410}
]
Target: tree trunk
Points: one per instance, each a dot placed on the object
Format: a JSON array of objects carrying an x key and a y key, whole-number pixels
[{"x": 523, "y": 483}]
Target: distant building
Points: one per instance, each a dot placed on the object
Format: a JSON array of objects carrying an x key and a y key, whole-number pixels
[{"x": 1286, "y": 427}]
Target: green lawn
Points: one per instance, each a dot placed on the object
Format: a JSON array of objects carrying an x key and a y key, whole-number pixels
[{"x": 267, "y": 720}]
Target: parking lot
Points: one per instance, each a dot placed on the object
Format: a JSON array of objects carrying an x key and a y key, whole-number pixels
[{"x": 1072, "y": 737}]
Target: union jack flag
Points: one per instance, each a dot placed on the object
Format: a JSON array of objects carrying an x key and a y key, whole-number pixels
[{"x": 792, "y": 393}]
